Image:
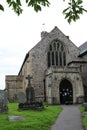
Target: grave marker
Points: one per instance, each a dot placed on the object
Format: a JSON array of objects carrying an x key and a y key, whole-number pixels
[
  {"x": 29, "y": 102},
  {"x": 21, "y": 97},
  {"x": 3, "y": 102}
]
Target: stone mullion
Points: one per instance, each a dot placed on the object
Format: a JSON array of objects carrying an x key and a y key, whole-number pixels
[
  {"x": 58, "y": 59},
  {"x": 52, "y": 47},
  {"x": 62, "y": 58},
  {"x": 56, "y": 46}
]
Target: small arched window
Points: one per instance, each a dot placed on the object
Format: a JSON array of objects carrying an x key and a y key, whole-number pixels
[{"x": 56, "y": 54}]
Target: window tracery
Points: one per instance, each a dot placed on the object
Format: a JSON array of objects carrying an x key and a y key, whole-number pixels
[{"x": 56, "y": 54}]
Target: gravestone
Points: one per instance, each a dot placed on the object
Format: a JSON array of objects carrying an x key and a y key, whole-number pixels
[
  {"x": 3, "y": 102},
  {"x": 16, "y": 118},
  {"x": 30, "y": 94},
  {"x": 21, "y": 97},
  {"x": 29, "y": 102}
]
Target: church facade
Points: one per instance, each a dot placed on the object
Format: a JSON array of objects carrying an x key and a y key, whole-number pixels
[{"x": 58, "y": 70}]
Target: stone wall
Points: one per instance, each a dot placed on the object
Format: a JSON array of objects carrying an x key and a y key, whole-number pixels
[
  {"x": 84, "y": 76},
  {"x": 13, "y": 86}
]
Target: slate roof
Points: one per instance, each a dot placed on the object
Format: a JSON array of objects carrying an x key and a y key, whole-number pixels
[{"x": 83, "y": 49}]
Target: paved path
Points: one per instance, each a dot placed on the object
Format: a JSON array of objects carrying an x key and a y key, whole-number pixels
[{"x": 69, "y": 119}]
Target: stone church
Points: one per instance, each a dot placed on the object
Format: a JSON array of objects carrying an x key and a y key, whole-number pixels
[{"x": 58, "y": 69}]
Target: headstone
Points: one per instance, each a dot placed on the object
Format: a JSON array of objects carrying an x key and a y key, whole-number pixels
[
  {"x": 30, "y": 94},
  {"x": 21, "y": 97},
  {"x": 3, "y": 102},
  {"x": 29, "y": 102}
]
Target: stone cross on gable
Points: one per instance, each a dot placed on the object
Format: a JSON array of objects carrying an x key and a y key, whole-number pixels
[{"x": 29, "y": 79}]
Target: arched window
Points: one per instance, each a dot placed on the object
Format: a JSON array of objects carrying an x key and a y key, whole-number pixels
[{"x": 56, "y": 54}]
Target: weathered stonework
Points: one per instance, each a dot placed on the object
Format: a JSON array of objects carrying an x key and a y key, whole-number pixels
[
  {"x": 54, "y": 78},
  {"x": 14, "y": 84},
  {"x": 46, "y": 80}
]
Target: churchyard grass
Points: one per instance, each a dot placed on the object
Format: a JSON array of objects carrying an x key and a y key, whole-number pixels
[
  {"x": 84, "y": 118},
  {"x": 34, "y": 120},
  {"x": 85, "y": 122}
]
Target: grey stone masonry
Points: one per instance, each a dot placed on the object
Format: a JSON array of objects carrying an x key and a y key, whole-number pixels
[{"x": 51, "y": 61}]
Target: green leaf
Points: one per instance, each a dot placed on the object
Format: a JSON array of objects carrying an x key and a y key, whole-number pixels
[
  {"x": 8, "y": 1},
  {"x": 74, "y": 18},
  {"x": 79, "y": 2},
  {"x": 84, "y": 9},
  {"x": 67, "y": 15},
  {"x": 69, "y": 4},
  {"x": 26, "y": 1},
  {"x": 31, "y": 3},
  {"x": 69, "y": 20},
  {"x": 73, "y": 1},
  {"x": 14, "y": 5},
  {"x": 37, "y": 7},
  {"x": 77, "y": 17},
  {"x": 19, "y": 2},
  {"x": 66, "y": 9},
  {"x": 80, "y": 11},
  {"x": 11, "y": 3},
  {"x": 1, "y": 7}
]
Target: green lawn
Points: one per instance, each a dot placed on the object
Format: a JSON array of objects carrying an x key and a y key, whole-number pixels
[
  {"x": 34, "y": 120},
  {"x": 84, "y": 118}
]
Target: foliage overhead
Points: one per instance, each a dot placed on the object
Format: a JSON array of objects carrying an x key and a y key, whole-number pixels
[
  {"x": 72, "y": 12},
  {"x": 74, "y": 9}
]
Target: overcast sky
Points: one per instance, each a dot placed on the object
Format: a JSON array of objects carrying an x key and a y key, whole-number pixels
[{"x": 18, "y": 34}]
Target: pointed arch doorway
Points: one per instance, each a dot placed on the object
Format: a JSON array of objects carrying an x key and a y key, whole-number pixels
[{"x": 66, "y": 92}]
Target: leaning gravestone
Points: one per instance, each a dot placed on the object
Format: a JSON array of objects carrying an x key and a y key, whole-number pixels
[{"x": 3, "y": 102}]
